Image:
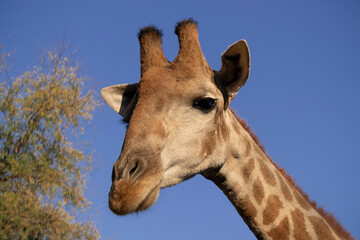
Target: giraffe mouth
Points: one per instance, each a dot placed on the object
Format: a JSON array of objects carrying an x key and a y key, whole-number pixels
[{"x": 125, "y": 198}]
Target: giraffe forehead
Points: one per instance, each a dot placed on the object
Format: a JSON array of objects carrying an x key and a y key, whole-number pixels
[{"x": 169, "y": 83}]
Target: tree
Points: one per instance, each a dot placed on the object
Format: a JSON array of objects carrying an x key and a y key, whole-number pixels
[{"x": 43, "y": 163}]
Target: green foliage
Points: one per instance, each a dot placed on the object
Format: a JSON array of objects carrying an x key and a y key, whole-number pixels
[{"x": 42, "y": 163}]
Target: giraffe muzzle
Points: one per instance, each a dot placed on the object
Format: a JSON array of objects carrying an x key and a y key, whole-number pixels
[{"x": 136, "y": 185}]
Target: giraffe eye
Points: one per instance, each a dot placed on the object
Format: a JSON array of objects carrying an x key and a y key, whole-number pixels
[{"x": 205, "y": 104}]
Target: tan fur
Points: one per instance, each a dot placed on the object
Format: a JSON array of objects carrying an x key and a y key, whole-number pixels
[
  {"x": 208, "y": 145},
  {"x": 302, "y": 201}
]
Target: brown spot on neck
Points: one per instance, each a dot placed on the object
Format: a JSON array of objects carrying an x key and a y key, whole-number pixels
[
  {"x": 266, "y": 171},
  {"x": 258, "y": 191},
  {"x": 298, "y": 219},
  {"x": 282, "y": 231},
  {"x": 284, "y": 188},
  {"x": 247, "y": 169},
  {"x": 248, "y": 212},
  {"x": 272, "y": 209}
]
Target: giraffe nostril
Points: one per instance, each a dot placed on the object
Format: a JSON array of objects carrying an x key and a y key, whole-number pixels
[
  {"x": 113, "y": 174},
  {"x": 134, "y": 169}
]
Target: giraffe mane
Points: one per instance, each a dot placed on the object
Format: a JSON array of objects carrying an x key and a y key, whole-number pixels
[{"x": 329, "y": 217}]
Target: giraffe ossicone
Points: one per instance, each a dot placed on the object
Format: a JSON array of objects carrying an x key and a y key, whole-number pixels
[{"x": 180, "y": 125}]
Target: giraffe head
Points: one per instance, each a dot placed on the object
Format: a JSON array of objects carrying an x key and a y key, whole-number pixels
[{"x": 176, "y": 116}]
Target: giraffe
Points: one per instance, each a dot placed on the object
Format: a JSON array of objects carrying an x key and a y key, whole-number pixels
[{"x": 180, "y": 124}]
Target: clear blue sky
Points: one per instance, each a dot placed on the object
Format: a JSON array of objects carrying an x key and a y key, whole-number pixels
[{"x": 302, "y": 98}]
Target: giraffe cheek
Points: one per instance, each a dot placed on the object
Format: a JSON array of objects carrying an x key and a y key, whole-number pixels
[{"x": 208, "y": 145}]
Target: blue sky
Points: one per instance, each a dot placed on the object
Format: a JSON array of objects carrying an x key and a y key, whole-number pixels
[{"x": 302, "y": 98}]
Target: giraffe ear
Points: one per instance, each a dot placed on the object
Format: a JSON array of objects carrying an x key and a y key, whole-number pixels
[
  {"x": 122, "y": 98},
  {"x": 235, "y": 68}
]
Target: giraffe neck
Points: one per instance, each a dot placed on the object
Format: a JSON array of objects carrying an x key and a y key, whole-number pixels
[{"x": 271, "y": 206}]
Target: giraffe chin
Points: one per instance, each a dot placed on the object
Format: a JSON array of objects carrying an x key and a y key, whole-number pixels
[{"x": 125, "y": 198}]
